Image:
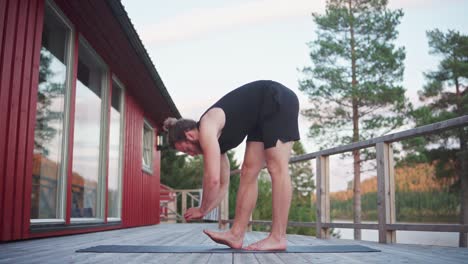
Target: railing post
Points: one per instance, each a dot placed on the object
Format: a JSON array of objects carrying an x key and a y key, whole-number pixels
[
  {"x": 463, "y": 158},
  {"x": 223, "y": 212},
  {"x": 175, "y": 205},
  {"x": 386, "y": 192},
  {"x": 323, "y": 196},
  {"x": 184, "y": 203}
]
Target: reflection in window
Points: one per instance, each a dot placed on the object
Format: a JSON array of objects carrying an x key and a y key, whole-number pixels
[
  {"x": 87, "y": 131},
  {"x": 115, "y": 139},
  {"x": 46, "y": 198},
  {"x": 147, "y": 147}
]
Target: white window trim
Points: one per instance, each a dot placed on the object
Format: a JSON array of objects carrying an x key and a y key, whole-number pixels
[
  {"x": 114, "y": 219},
  {"x": 87, "y": 220},
  {"x": 147, "y": 169},
  {"x": 46, "y": 221},
  {"x": 62, "y": 184}
]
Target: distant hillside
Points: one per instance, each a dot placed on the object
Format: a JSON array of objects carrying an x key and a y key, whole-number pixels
[{"x": 417, "y": 178}]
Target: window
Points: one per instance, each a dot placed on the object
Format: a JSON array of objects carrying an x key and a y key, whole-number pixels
[
  {"x": 89, "y": 136},
  {"x": 148, "y": 139},
  {"x": 49, "y": 159},
  {"x": 114, "y": 178}
]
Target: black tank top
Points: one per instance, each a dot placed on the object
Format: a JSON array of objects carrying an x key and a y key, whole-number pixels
[{"x": 243, "y": 107}]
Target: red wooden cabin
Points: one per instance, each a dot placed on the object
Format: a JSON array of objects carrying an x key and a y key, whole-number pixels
[{"x": 81, "y": 106}]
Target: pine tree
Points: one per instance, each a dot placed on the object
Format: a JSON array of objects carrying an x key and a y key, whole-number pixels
[
  {"x": 301, "y": 210},
  {"x": 354, "y": 83},
  {"x": 301, "y": 173},
  {"x": 445, "y": 96},
  {"x": 47, "y": 93},
  {"x": 180, "y": 171},
  {"x": 233, "y": 184}
]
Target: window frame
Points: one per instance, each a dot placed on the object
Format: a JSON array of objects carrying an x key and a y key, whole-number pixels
[
  {"x": 62, "y": 193},
  {"x": 121, "y": 87},
  {"x": 103, "y": 142},
  {"x": 148, "y": 169}
]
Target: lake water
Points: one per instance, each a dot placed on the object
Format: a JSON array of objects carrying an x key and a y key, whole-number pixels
[{"x": 407, "y": 237}]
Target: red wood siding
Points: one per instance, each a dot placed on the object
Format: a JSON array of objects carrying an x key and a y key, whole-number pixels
[
  {"x": 141, "y": 190},
  {"x": 20, "y": 36},
  {"x": 21, "y": 23}
]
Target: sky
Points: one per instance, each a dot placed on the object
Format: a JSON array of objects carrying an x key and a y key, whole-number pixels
[{"x": 204, "y": 49}]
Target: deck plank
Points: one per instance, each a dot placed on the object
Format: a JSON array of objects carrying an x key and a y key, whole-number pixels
[
  {"x": 62, "y": 249},
  {"x": 219, "y": 258},
  {"x": 194, "y": 258},
  {"x": 239, "y": 258},
  {"x": 270, "y": 258}
]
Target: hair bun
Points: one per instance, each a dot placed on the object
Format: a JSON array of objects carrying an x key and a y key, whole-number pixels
[{"x": 168, "y": 123}]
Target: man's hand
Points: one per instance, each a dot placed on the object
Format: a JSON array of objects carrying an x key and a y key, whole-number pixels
[{"x": 193, "y": 213}]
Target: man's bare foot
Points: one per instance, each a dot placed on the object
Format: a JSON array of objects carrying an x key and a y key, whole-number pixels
[
  {"x": 226, "y": 238},
  {"x": 268, "y": 243}
]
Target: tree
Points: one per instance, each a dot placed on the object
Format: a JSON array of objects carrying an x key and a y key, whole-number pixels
[
  {"x": 48, "y": 91},
  {"x": 301, "y": 205},
  {"x": 181, "y": 171},
  {"x": 303, "y": 187},
  {"x": 353, "y": 84},
  {"x": 445, "y": 96},
  {"x": 263, "y": 209},
  {"x": 184, "y": 172},
  {"x": 233, "y": 184},
  {"x": 301, "y": 173}
]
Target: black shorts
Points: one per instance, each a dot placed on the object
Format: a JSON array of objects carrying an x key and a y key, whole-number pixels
[{"x": 278, "y": 118}]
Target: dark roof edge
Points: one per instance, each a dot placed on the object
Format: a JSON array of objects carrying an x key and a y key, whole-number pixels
[{"x": 122, "y": 16}]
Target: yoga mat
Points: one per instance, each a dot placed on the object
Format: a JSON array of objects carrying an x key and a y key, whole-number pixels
[{"x": 214, "y": 249}]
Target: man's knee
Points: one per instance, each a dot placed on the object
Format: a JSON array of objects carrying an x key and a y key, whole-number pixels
[
  {"x": 276, "y": 167},
  {"x": 250, "y": 169}
]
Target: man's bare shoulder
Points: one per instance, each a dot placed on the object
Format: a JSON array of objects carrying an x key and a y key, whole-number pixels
[{"x": 215, "y": 117}]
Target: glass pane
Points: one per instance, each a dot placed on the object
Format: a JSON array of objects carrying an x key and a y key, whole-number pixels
[
  {"x": 86, "y": 147},
  {"x": 45, "y": 197},
  {"x": 147, "y": 142},
  {"x": 114, "y": 202}
]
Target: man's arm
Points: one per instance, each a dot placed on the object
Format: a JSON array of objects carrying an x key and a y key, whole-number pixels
[
  {"x": 224, "y": 183},
  {"x": 212, "y": 164},
  {"x": 225, "y": 173},
  {"x": 195, "y": 213},
  {"x": 215, "y": 183}
]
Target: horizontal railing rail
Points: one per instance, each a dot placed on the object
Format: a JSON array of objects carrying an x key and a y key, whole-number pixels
[
  {"x": 386, "y": 224},
  {"x": 371, "y": 226}
]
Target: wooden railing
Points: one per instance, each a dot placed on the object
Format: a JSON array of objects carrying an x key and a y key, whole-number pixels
[
  {"x": 188, "y": 198},
  {"x": 386, "y": 224}
]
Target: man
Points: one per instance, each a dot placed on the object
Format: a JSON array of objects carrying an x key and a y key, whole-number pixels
[{"x": 267, "y": 113}]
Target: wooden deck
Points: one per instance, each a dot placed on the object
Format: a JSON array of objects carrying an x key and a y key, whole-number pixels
[{"x": 62, "y": 249}]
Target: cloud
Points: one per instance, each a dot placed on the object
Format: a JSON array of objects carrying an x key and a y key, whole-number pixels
[
  {"x": 406, "y": 4},
  {"x": 201, "y": 21}
]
